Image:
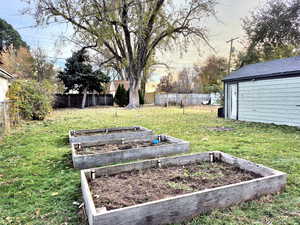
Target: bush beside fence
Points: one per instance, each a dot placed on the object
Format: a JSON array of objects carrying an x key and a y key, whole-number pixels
[{"x": 75, "y": 100}]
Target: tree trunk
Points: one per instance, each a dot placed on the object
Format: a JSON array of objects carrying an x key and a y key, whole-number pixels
[
  {"x": 143, "y": 83},
  {"x": 84, "y": 98},
  {"x": 69, "y": 101},
  {"x": 134, "y": 101}
]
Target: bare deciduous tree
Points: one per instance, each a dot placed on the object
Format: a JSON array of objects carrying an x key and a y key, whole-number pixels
[
  {"x": 43, "y": 68},
  {"x": 129, "y": 29},
  {"x": 210, "y": 74}
]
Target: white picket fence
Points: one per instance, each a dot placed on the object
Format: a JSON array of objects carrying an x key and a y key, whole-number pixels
[{"x": 186, "y": 99}]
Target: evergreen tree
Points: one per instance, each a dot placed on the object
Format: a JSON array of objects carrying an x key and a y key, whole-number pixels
[
  {"x": 79, "y": 75},
  {"x": 9, "y": 37},
  {"x": 141, "y": 97},
  {"x": 122, "y": 96},
  {"x": 12, "y": 46}
]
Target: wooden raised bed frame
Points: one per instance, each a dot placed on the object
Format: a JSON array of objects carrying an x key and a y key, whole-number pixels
[
  {"x": 95, "y": 135},
  {"x": 175, "y": 146},
  {"x": 183, "y": 207}
]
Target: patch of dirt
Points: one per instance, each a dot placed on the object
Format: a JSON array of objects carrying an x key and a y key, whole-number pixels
[
  {"x": 220, "y": 129},
  {"x": 136, "y": 187},
  {"x": 103, "y": 132},
  {"x": 103, "y": 148}
]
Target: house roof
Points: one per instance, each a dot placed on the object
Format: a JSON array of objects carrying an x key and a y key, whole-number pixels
[
  {"x": 5, "y": 74},
  {"x": 151, "y": 87},
  {"x": 276, "y": 68}
]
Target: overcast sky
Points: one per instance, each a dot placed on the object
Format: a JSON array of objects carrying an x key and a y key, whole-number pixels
[
  {"x": 228, "y": 25},
  {"x": 229, "y": 12}
]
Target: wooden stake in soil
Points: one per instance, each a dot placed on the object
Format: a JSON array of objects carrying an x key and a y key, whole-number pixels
[{"x": 211, "y": 157}]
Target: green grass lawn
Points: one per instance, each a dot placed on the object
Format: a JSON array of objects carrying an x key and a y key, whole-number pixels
[{"x": 39, "y": 186}]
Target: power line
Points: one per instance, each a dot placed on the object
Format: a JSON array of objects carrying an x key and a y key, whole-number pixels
[{"x": 35, "y": 26}]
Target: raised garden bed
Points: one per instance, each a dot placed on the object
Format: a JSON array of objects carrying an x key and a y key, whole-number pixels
[
  {"x": 89, "y": 155},
  {"x": 95, "y": 135},
  {"x": 173, "y": 190}
]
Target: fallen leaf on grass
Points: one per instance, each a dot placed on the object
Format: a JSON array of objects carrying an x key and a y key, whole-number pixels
[
  {"x": 54, "y": 193},
  {"x": 204, "y": 139},
  {"x": 38, "y": 212}
]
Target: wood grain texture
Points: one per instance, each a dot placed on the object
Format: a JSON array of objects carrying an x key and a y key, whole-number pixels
[
  {"x": 126, "y": 133},
  {"x": 181, "y": 208},
  {"x": 175, "y": 146}
]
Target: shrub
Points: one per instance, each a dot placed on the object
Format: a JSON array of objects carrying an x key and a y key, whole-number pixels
[
  {"x": 141, "y": 97},
  {"x": 33, "y": 99},
  {"x": 121, "y": 97}
]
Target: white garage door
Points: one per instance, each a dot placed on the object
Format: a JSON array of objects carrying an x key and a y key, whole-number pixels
[{"x": 270, "y": 101}]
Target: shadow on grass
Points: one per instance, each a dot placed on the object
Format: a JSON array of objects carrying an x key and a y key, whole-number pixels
[
  {"x": 65, "y": 162},
  {"x": 60, "y": 162},
  {"x": 267, "y": 127},
  {"x": 62, "y": 141}
]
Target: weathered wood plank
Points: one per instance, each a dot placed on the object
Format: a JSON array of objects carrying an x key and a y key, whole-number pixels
[
  {"x": 128, "y": 133},
  {"x": 247, "y": 165},
  {"x": 175, "y": 146},
  {"x": 145, "y": 164},
  {"x": 88, "y": 199},
  {"x": 180, "y": 208},
  {"x": 118, "y": 141}
]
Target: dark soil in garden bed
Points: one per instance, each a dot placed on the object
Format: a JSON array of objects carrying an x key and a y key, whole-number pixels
[
  {"x": 136, "y": 187},
  {"x": 104, "y": 148},
  {"x": 104, "y": 132}
]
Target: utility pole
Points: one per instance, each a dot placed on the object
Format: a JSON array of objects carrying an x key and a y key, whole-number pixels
[{"x": 230, "y": 54}]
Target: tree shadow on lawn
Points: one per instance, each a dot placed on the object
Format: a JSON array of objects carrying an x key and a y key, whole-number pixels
[
  {"x": 61, "y": 162},
  {"x": 68, "y": 182},
  {"x": 61, "y": 141},
  {"x": 264, "y": 126}
]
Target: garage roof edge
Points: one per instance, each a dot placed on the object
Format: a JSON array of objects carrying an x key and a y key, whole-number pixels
[{"x": 279, "y": 68}]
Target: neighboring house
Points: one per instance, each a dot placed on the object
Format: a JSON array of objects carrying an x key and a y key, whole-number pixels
[
  {"x": 113, "y": 86},
  {"x": 266, "y": 92},
  {"x": 151, "y": 87},
  {"x": 5, "y": 78}
]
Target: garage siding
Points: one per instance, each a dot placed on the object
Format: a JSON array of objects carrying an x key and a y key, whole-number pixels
[{"x": 270, "y": 101}]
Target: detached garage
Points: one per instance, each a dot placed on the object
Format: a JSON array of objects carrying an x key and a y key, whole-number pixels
[{"x": 266, "y": 92}]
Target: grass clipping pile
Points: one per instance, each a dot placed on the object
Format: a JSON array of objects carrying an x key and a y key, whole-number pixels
[
  {"x": 136, "y": 187},
  {"x": 104, "y": 148}
]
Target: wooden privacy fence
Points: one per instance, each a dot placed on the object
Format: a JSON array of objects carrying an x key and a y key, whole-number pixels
[
  {"x": 186, "y": 99},
  {"x": 9, "y": 117},
  {"x": 149, "y": 98},
  {"x": 74, "y": 100}
]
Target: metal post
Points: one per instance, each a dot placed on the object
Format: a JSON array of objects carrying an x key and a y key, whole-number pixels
[
  {"x": 230, "y": 54},
  {"x": 69, "y": 101},
  {"x": 6, "y": 117}
]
